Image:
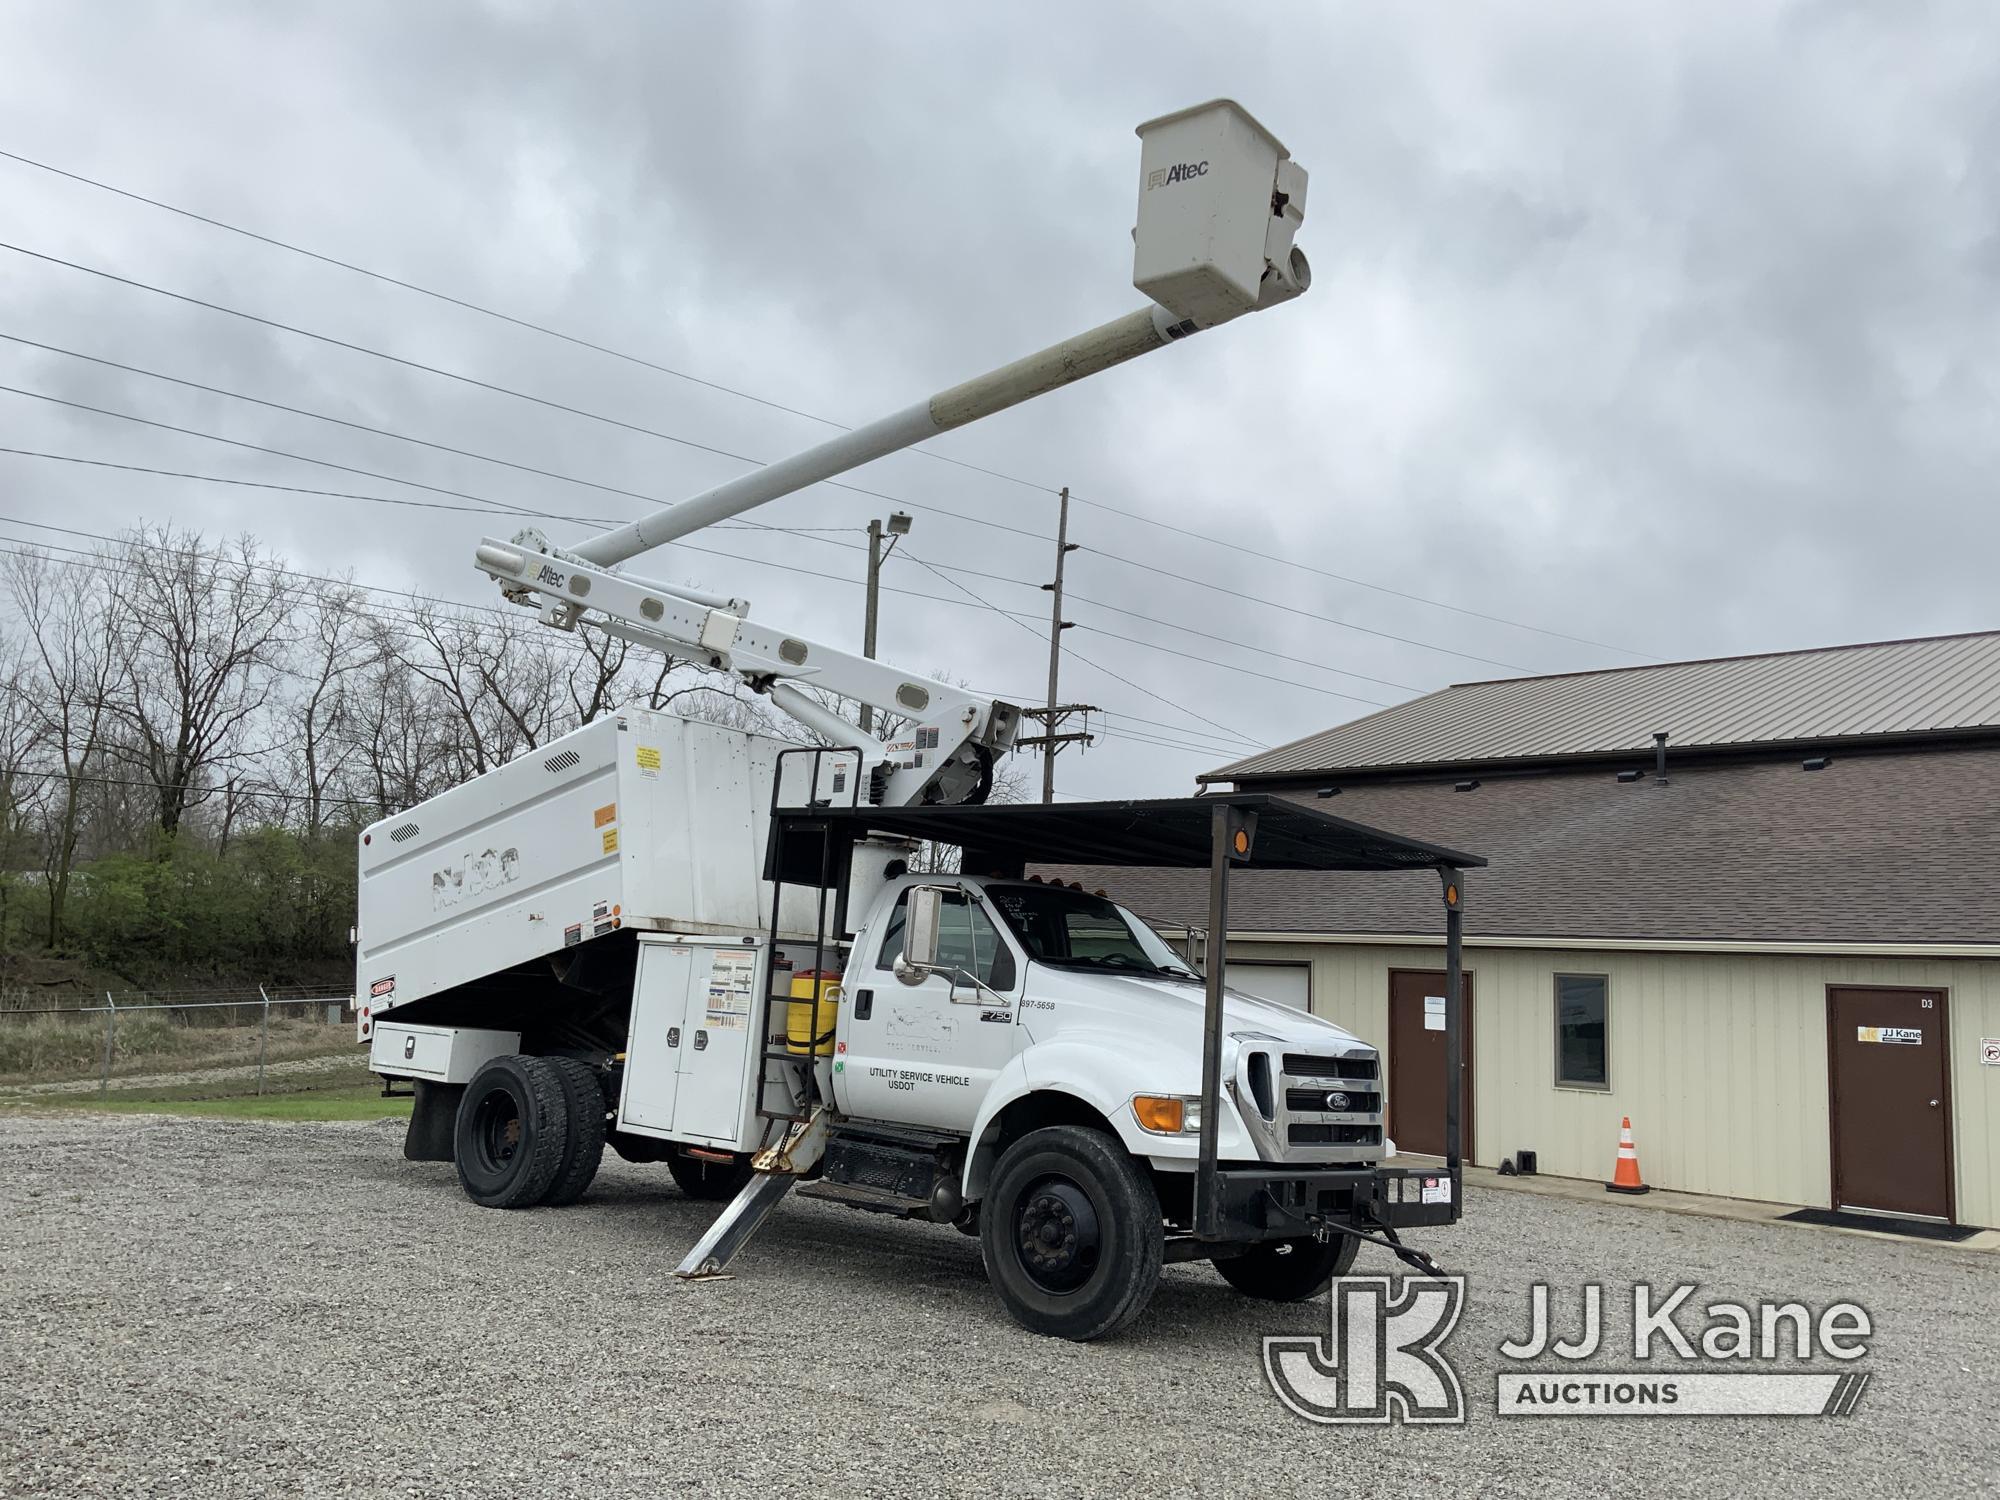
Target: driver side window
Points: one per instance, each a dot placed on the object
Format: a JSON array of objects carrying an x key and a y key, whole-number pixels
[{"x": 967, "y": 940}]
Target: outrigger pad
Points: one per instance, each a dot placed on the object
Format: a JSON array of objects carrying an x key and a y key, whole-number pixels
[{"x": 731, "y": 1232}]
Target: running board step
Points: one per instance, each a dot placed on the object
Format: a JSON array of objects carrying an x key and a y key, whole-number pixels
[{"x": 870, "y": 1200}]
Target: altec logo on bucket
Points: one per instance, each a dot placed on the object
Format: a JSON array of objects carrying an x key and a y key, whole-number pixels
[
  {"x": 1179, "y": 172},
  {"x": 1383, "y": 1358}
]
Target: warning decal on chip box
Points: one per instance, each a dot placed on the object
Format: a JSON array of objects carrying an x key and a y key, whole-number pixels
[
  {"x": 572, "y": 934},
  {"x": 606, "y": 814},
  {"x": 610, "y": 841},
  {"x": 731, "y": 981},
  {"x": 647, "y": 758},
  {"x": 383, "y": 986}
]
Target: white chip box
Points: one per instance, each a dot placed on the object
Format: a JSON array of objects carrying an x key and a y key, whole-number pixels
[
  {"x": 436, "y": 1054},
  {"x": 639, "y": 820}
]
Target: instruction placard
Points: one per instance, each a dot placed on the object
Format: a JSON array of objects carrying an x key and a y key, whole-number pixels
[
  {"x": 647, "y": 758},
  {"x": 732, "y": 979},
  {"x": 1434, "y": 1013}
]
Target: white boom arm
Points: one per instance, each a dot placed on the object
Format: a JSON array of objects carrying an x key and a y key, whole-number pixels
[{"x": 1220, "y": 201}]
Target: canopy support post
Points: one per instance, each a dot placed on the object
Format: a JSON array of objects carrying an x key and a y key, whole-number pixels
[
  {"x": 1232, "y": 832},
  {"x": 1454, "y": 1029}
]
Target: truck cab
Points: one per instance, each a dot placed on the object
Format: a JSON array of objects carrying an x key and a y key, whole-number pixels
[{"x": 1042, "y": 988}]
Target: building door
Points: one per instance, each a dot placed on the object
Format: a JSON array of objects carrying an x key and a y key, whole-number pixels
[
  {"x": 1416, "y": 1063},
  {"x": 1891, "y": 1104}
]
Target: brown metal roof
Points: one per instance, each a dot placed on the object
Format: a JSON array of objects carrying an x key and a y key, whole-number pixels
[
  {"x": 1833, "y": 695},
  {"x": 1881, "y": 848}
]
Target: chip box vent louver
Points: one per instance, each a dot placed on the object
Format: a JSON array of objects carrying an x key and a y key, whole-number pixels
[
  {"x": 562, "y": 762},
  {"x": 401, "y": 832}
]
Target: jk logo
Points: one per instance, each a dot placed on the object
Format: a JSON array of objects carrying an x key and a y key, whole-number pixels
[{"x": 1381, "y": 1361}]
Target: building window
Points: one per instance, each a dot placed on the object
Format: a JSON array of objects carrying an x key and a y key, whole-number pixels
[{"x": 1583, "y": 1054}]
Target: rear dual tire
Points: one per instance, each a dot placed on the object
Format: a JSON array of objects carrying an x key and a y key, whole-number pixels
[{"x": 530, "y": 1130}]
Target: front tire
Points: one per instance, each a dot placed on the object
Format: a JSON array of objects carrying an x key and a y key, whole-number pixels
[
  {"x": 1289, "y": 1270},
  {"x": 1071, "y": 1235},
  {"x": 512, "y": 1132}
]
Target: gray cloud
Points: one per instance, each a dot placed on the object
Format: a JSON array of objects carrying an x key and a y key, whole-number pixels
[{"x": 1670, "y": 329}]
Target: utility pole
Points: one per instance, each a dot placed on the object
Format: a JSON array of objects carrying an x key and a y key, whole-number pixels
[
  {"x": 898, "y": 525},
  {"x": 1052, "y": 714}
]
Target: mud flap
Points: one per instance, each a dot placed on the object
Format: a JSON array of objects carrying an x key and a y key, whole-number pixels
[{"x": 433, "y": 1122}]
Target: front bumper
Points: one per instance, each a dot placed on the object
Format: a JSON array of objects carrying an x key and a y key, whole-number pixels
[{"x": 1280, "y": 1203}]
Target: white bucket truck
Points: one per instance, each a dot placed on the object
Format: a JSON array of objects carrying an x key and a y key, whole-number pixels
[{"x": 601, "y": 941}]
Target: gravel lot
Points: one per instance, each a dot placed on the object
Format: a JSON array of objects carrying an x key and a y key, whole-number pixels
[{"x": 204, "y": 1307}]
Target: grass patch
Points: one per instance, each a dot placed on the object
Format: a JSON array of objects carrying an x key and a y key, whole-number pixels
[{"x": 346, "y": 1101}]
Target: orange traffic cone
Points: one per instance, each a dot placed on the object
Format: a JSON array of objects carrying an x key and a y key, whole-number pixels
[{"x": 1625, "y": 1177}]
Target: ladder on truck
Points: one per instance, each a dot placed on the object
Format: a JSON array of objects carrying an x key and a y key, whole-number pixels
[{"x": 800, "y": 1130}]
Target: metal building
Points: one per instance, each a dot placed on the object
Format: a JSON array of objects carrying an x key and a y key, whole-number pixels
[{"x": 1752, "y": 903}]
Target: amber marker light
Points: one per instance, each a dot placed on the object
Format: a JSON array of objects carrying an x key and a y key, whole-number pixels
[{"x": 1161, "y": 1114}]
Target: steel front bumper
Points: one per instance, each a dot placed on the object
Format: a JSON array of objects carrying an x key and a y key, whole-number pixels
[{"x": 1278, "y": 1203}]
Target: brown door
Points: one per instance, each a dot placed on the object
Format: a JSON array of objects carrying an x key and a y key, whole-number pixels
[
  {"x": 1416, "y": 1063},
  {"x": 1891, "y": 1108}
]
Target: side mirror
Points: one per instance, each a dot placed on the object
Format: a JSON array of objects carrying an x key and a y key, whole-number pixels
[{"x": 921, "y": 921}]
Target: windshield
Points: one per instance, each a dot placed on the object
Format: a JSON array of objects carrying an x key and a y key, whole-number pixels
[{"x": 1071, "y": 930}]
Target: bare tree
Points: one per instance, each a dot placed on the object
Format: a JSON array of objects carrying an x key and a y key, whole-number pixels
[
  {"x": 333, "y": 647},
  {"x": 203, "y": 635},
  {"x": 70, "y": 669}
]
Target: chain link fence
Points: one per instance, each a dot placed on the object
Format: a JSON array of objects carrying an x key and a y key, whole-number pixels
[{"x": 246, "y": 1039}]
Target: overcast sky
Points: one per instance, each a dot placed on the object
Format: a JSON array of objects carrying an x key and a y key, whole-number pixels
[{"x": 1668, "y": 329}]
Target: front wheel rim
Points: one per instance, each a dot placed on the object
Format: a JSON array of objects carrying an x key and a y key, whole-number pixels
[{"x": 1057, "y": 1238}]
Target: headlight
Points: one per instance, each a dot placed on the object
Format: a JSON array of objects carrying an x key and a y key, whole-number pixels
[{"x": 1167, "y": 1114}]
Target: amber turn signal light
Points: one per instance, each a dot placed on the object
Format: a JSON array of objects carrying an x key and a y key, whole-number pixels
[{"x": 1161, "y": 1115}]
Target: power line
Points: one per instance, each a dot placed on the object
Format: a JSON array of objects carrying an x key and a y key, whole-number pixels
[
  {"x": 96, "y": 563},
  {"x": 641, "y": 361},
  {"x": 328, "y": 417},
  {"x": 199, "y": 792},
  {"x": 1005, "y": 614},
  {"x": 1361, "y": 583},
  {"x": 84, "y": 558},
  {"x": 1232, "y": 641},
  {"x": 488, "y": 507},
  {"x": 635, "y": 427},
  {"x": 484, "y": 385}
]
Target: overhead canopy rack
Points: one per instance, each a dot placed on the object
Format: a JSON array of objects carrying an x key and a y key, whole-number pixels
[
  {"x": 1157, "y": 833},
  {"x": 1236, "y": 830}
]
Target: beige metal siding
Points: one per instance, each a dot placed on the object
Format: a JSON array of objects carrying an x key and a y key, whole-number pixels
[{"x": 1720, "y": 1060}]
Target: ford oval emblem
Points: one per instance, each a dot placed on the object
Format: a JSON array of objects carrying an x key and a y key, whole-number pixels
[{"x": 1337, "y": 1102}]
